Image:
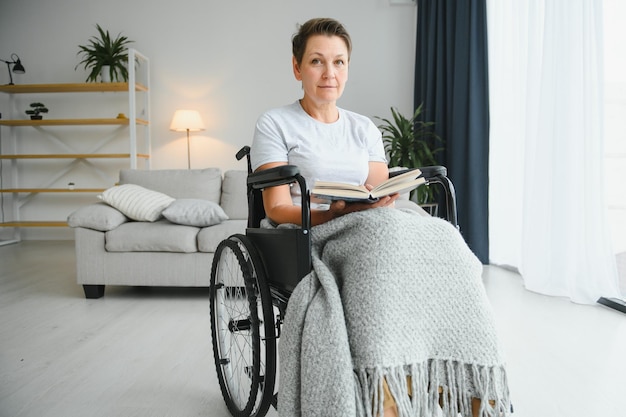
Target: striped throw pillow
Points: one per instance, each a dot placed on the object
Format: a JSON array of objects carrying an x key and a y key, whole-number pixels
[{"x": 136, "y": 202}]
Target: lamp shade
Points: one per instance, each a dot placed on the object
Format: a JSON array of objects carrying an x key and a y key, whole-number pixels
[
  {"x": 184, "y": 120},
  {"x": 18, "y": 68}
]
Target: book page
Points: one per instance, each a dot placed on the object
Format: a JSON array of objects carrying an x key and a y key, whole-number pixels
[
  {"x": 329, "y": 185},
  {"x": 404, "y": 177},
  {"x": 396, "y": 187},
  {"x": 341, "y": 191}
]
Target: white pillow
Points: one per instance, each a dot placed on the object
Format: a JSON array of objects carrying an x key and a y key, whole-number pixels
[
  {"x": 98, "y": 216},
  {"x": 195, "y": 212},
  {"x": 136, "y": 202}
]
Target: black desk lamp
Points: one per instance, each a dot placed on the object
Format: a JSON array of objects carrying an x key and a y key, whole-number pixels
[{"x": 18, "y": 68}]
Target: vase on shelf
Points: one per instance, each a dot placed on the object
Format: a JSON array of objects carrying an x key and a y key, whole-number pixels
[{"x": 105, "y": 74}]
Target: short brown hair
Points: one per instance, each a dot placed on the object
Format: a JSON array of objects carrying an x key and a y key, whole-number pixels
[{"x": 318, "y": 26}]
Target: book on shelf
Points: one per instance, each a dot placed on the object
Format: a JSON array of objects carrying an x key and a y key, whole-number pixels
[{"x": 402, "y": 183}]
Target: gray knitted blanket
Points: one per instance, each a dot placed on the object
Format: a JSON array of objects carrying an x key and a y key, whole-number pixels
[{"x": 392, "y": 294}]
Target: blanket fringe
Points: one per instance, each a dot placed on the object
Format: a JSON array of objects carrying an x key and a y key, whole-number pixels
[{"x": 420, "y": 389}]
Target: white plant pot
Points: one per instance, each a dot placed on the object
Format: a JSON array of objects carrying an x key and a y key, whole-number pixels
[{"x": 105, "y": 74}]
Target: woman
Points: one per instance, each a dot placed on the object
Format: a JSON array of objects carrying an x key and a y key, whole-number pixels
[{"x": 366, "y": 308}]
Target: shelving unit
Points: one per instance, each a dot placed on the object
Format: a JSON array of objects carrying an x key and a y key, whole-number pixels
[
  {"x": 70, "y": 122},
  {"x": 138, "y": 119}
]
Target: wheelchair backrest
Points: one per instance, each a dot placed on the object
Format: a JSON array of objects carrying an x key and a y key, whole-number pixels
[{"x": 256, "y": 211}]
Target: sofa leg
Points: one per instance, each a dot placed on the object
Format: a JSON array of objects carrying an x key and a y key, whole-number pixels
[{"x": 93, "y": 291}]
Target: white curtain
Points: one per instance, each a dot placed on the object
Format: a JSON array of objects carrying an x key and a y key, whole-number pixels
[{"x": 547, "y": 207}]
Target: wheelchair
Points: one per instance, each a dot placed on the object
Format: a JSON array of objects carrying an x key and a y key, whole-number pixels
[{"x": 252, "y": 277}]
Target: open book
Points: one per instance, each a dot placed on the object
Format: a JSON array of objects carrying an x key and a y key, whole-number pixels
[{"x": 402, "y": 183}]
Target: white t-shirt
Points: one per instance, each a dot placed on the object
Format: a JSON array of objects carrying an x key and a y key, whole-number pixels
[{"x": 338, "y": 151}]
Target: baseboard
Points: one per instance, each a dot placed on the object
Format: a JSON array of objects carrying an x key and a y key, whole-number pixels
[{"x": 614, "y": 303}]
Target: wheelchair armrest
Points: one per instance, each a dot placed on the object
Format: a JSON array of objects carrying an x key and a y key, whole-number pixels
[
  {"x": 438, "y": 174},
  {"x": 434, "y": 171},
  {"x": 427, "y": 172},
  {"x": 280, "y": 175}
]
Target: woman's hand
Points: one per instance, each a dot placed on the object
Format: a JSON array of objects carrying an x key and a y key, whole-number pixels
[{"x": 341, "y": 207}]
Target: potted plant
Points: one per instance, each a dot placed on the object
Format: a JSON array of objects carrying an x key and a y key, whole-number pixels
[
  {"x": 105, "y": 56},
  {"x": 36, "y": 110},
  {"x": 411, "y": 143}
]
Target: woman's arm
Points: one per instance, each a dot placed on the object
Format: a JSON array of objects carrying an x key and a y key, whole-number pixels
[
  {"x": 280, "y": 208},
  {"x": 378, "y": 172}
]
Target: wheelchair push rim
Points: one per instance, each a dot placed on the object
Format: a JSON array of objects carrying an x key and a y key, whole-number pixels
[{"x": 242, "y": 328}]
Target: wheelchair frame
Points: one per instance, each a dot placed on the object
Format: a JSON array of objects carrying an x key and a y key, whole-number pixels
[{"x": 250, "y": 289}]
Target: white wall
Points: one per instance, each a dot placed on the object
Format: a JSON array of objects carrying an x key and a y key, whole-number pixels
[{"x": 230, "y": 60}]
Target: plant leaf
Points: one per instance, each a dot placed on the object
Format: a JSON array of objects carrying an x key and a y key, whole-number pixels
[
  {"x": 103, "y": 50},
  {"x": 409, "y": 143}
]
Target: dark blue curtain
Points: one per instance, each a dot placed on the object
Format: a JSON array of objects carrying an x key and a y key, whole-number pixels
[{"x": 451, "y": 79}]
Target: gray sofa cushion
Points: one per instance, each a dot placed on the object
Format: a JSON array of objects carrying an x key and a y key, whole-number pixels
[
  {"x": 160, "y": 236},
  {"x": 210, "y": 237},
  {"x": 234, "y": 198},
  {"x": 178, "y": 183},
  {"x": 98, "y": 216},
  {"x": 195, "y": 212}
]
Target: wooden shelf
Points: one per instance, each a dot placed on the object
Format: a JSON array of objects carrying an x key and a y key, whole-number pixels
[
  {"x": 57, "y": 162},
  {"x": 71, "y": 122},
  {"x": 42, "y": 223},
  {"x": 74, "y": 156},
  {"x": 69, "y": 88},
  {"x": 52, "y": 190}
]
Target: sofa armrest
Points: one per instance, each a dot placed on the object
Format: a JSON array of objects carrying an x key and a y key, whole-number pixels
[
  {"x": 234, "y": 198},
  {"x": 97, "y": 216}
]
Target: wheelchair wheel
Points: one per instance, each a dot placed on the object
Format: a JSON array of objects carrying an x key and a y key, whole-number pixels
[{"x": 242, "y": 328}]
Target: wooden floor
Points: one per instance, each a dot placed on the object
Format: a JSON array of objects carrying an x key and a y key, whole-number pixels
[{"x": 147, "y": 352}]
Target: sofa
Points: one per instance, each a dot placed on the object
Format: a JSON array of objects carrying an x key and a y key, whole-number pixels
[
  {"x": 158, "y": 228},
  {"x": 161, "y": 228}
]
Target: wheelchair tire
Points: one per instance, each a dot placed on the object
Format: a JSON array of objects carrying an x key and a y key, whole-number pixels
[{"x": 242, "y": 328}]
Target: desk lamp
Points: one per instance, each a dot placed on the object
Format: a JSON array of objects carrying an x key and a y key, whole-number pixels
[{"x": 18, "y": 68}]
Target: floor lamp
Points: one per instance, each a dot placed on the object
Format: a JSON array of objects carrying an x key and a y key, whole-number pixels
[{"x": 187, "y": 121}]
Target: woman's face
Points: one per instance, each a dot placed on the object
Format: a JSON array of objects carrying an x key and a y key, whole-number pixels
[{"x": 324, "y": 68}]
